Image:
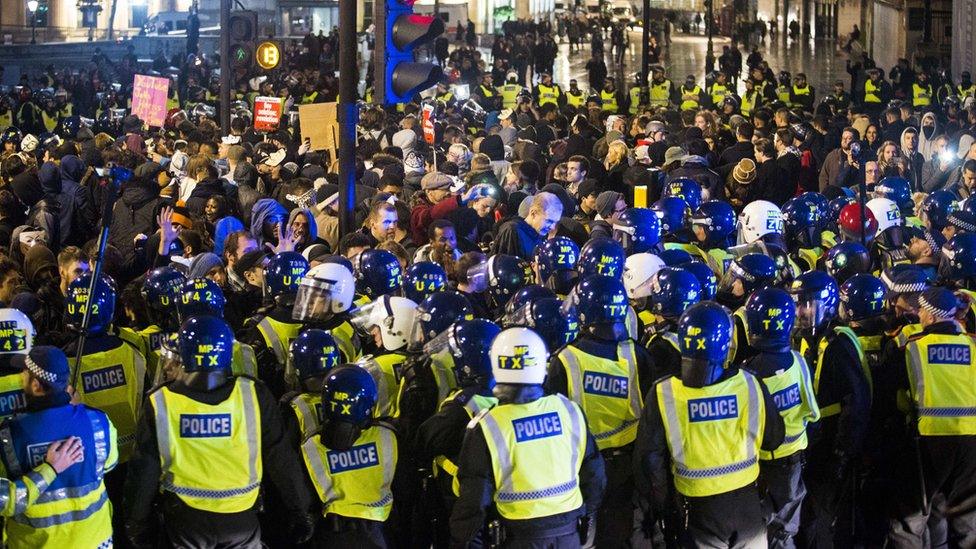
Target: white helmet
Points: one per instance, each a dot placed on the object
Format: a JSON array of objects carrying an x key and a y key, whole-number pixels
[
  {"x": 639, "y": 269},
  {"x": 887, "y": 213},
  {"x": 16, "y": 332},
  {"x": 758, "y": 219},
  {"x": 519, "y": 356},
  {"x": 325, "y": 290},
  {"x": 393, "y": 315}
]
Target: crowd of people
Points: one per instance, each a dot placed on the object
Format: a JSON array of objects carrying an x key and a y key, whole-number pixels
[{"x": 664, "y": 315}]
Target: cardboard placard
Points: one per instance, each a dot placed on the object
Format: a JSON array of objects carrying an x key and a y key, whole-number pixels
[
  {"x": 149, "y": 99},
  {"x": 267, "y": 113},
  {"x": 319, "y": 123},
  {"x": 428, "y": 123}
]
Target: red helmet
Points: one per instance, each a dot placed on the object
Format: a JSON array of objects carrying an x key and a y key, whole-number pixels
[{"x": 850, "y": 222}]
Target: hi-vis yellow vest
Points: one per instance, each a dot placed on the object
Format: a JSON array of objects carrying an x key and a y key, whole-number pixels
[
  {"x": 921, "y": 97},
  {"x": 509, "y": 93},
  {"x": 690, "y": 104},
  {"x": 536, "y": 453},
  {"x": 473, "y": 406},
  {"x": 50, "y": 121},
  {"x": 347, "y": 341},
  {"x": 714, "y": 433},
  {"x": 717, "y": 92},
  {"x": 609, "y": 99},
  {"x": 278, "y": 336},
  {"x": 210, "y": 454},
  {"x": 12, "y": 397},
  {"x": 385, "y": 370},
  {"x": 608, "y": 392},
  {"x": 575, "y": 99},
  {"x": 797, "y": 91},
  {"x": 942, "y": 383},
  {"x": 660, "y": 94},
  {"x": 113, "y": 381},
  {"x": 242, "y": 362},
  {"x": 548, "y": 94},
  {"x": 749, "y": 100},
  {"x": 792, "y": 391},
  {"x": 833, "y": 408},
  {"x": 635, "y": 100},
  {"x": 308, "y": 409},
  {"x": 872, "y": 92},
  {"x": 354, "y": 483}
]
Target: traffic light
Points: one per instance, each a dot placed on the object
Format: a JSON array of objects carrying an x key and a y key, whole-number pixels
[
  {"x": 398, "y": 75},
  {"x": 243, "y": 38}
]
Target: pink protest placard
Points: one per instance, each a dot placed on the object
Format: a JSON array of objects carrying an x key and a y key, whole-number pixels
[{"x": 149, "y": 99}]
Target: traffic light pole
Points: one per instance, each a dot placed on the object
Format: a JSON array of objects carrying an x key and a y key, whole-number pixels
[
  {"x": 348, "y": 114},
  {"x": 225, "y": 77}
]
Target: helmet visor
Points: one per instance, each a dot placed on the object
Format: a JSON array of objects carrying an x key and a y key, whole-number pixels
[
  {"x": 444, "y": 342},
  {"x": 626, "y": 236},
  {"x": 418, "y": 336},
  {"x": 315, "y": 299},
  {"x": 369, "y": 315},
  {"x": 733, "y": 282},
  {"x": 478, "y": 277},
  {"x": 520, "y": 317},
  {"x": 811, "y": 312}
]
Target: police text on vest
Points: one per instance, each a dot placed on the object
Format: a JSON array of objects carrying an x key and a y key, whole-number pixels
[
  {"x": 709, "y": 409},
  {"x": 205, "y": 425},
  {"x": 536, "y": 427}
]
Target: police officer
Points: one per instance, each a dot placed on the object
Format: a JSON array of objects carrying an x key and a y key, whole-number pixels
[
  {"x": 752, "y": 98},
  {"x": 713, "y": 225},
  {"x": 876, "y": 92},
  {"x": 444, "y": 93},
  {"x": 718, "y": 89},
  {"x": 499, "y": 460},
  {"x": 957, "y": 270},
  {"x": 802, "y": 94},
  {"x": 16, "y": 338},
  {"x": 387, "y": 322},
  {"x": 943, "y": 429},
  {"x": 673, "y": 290},
  {"x": 888, "y": 246},
  {"x": 692, "y": 95},
  {"x": 606, "y": 373},
  {"x": 423, "y": 278},
  {"x": 847, "y": 259},
  {"x": 205, "y": 440},
  {"x": 554, "y": 264},
  {"x": 439, "y": 438},
  {"x": 546, "y": 92},
  {"x": 770, "y": 313},
  {"x": 203, "y": 296},
  {"x": 575, "y": 96},
  {"x": 840, "y": 373},
  {"x": 377, "y": 273},
  {"x": 609, "y": 96},
  {"x": 270, "y": 334},
  {"x": 921, "y": 91},
  {"x": 661, "y": 88},
  {"x": 315, "y": 353},
  {"x": 325, "y": 300},
  {"x": 353, "y": 462},
  {"x": 502, "y": 276},
  {"x": 639, "y": 271},
  {"x": 77, "y": 506},
  {"x": 801, "y": 223},
  {"x": 486, "y": 95},
  {"x": 427, "y": 379},
  {"x": 161, "y": 292},
  {"x": 783, "y": 89},
  {"x": 510, "y": 91},
  {"x": 555, "y": 324},
  {"x": 704, "y": 430}
]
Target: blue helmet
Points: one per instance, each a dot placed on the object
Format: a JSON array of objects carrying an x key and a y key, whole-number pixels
[
  {"x": 506, "y": 274},
  {"x": 802, "y": 223},
  {"x": 817, "y": 296},
  {"x": 717, "y": 219},
  {"x": 706, "y": 278},
  {"x": 284, "y": 273},
  {"x": 601, "y": 256},
  {"x": 469, "y": 342},
  {"x": 422, "y": 279},
  {"x": 161, "y": 288},
  {"x": 686, "y": 189},
  {"x": 898, "y": 190},
  {"x": 377, "y": 273},
  {"x": 206, "y": 344},
  {"x": 936, "y": 208},
  {"x": 847, "y": 259},
  {"x": 556, "y": 324},
  {"x": 822, "y": 204},
  {"x": 637, "y": 230},
  {"x": 555, "y": 260},
  {"x": 314, "y": 352},
  {"x": 601, "y": 302},
  {"x": 348, "y": 395},
  {"x": 673, "y": 212},
  {"x": 528, "y": 294},
  {"x": 672, "y": 291},
  {"x": 836, "y": 205},
  {"x": 861, "y": 297},
  {"x": 705, "y": 341},
  {"x": 752, "y": 271},
  {"x": 770, "y": 314},
  {"x": 959, "y": 259},
  {"x": 436, "y": 313},
  {"x": 201, "y": 296},
  {"x": 674, "y": 257},
  {"x": 103, "y": 304}
]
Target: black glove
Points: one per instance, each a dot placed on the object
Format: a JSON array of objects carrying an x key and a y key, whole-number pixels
[
  {"x": 301, "y": 527},
  {"x": 140, "y": 535}
]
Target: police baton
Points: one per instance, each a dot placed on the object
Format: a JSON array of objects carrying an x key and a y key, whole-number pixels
[{"x": 114, "y": 176}]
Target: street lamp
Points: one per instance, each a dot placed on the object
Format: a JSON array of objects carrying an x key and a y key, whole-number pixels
[
  {"x": 32, "y": 7},
  {"x": 709, "y": 55}
]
